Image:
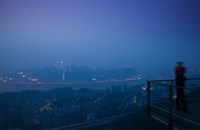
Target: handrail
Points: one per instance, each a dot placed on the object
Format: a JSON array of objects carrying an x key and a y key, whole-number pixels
[
  {"x": 88, "y": 124},
  {"x": 171, "y": 86},
  {"x": 152, "y": 81},
  {"x": 175, "y": 86},
  {"x": 171, "y": 80},
  {"x": 161, "y": 109}
]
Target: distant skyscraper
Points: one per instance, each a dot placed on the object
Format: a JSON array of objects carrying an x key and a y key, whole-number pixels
[
  {"x": 64, "y": 70},
  {"x": 61, "y": 64}
]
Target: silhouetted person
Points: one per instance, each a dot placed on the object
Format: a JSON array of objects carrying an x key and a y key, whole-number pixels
[{"x": 180, "y": 83}]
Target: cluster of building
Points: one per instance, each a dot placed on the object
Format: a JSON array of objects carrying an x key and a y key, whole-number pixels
[
  {"x": 65, "y": 106},
  {"x": 61, "y": 73}
]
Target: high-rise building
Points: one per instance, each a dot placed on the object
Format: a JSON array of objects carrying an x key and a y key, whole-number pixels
[
  {"x": 64, "y": 70},
  {"x": 62, "y": 64}
]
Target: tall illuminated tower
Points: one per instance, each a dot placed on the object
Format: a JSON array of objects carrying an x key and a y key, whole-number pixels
[
  {"x": 61, "y": 64},
  {"x": 64, "y": 70}
]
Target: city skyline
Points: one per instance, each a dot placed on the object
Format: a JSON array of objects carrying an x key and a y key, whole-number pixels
[{"x": 150, "y": 36}]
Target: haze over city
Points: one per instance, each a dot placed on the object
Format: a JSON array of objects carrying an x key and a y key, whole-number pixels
[
  {"x": 99, "y": 64},
  {"x": 150, "y": 36}
]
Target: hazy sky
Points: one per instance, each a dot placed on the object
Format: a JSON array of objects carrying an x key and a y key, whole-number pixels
[{"x": 150, "y": 35}]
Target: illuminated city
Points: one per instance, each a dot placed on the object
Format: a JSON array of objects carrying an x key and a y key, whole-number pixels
[{"x": 99, "y": 64}]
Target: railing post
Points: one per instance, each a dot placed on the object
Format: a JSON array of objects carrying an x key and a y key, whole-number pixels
[
  {"x": 172, "y": 82},
  {"x": 148, "y": 98},
  {"x": 170, "y": 125}
]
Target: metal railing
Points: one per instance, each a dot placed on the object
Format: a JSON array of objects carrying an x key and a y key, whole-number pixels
[
  {"x": 169, "y": 111},
  {"x": 91, "y": 124}
]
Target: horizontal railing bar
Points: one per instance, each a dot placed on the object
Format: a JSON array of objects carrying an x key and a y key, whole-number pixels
[
  {"x": 171, "y": 80},
  {"x": 167, "y": 85},
  {"x": 92, "y": 123},
  {"x": 190, "y": 99},
  {"x": 152, "y": 81},
  {"x": 159, "y": 119},
  {"x": 163, "y": 84},
  {"x": 160, "y": 102},
  {"x": 187, "y": 120},
  {"x": 193, "y": 79},
  {"x": 159, "y": 108}
]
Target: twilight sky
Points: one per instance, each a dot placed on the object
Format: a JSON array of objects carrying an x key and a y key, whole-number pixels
[{"x": 150, "y": 35}]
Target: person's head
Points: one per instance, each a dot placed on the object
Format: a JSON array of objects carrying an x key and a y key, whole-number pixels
[{"x": 180, "y": 63}]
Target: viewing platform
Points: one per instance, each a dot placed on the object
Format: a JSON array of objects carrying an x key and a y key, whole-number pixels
[
  {"x": 165, "y": 111},
  {"x": 129, "y": 121}
]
